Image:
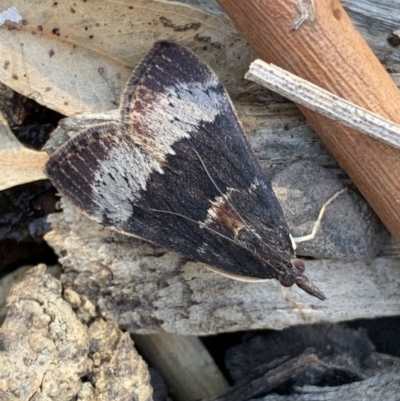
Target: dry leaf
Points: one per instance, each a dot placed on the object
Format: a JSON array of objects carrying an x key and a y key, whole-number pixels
[
  {"x": 77, "y": 56},
  {"x": 18, "y": 165}
]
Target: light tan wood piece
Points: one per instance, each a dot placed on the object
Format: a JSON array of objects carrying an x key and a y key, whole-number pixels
[{"x": 185, "y": 364}]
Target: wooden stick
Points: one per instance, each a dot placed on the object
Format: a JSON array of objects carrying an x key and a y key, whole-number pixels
[
  {"x": 185, "y": 364},
  {"x": 326, "y": 103},
  {"x": 327, "y": 50}
]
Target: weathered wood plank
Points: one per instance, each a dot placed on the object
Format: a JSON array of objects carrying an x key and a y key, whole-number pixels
[{"x": 147, "y": 289}]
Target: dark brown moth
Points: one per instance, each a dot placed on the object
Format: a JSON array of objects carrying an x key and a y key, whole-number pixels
[{"x": 178, "y": 171}]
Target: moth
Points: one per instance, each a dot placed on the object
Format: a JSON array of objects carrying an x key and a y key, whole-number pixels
[{"x": 178, "y": 171}]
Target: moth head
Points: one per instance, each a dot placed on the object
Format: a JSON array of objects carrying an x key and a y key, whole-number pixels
[
  {"x": 298, "y": 265},
  {"x": 295, "y": 276}
]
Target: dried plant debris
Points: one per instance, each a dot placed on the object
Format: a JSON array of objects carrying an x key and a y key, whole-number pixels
[
  {"x": 381, "y": 387},
  {"x": 327, "y": 340},
  {"x": 269, "y": 377},
  {"x": 78, "y": 50},
  {"x": 23, "y": 222},
  {"x": 78, "y": 65},
  {"x": 18, "y": 164},
  {"x": 23, "y": 210},
  {"x": 322, "y": 356},
  {"x": 31, "y": 122}
]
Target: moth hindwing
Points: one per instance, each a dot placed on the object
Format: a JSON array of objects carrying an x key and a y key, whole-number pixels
[{"x": 177, "y": 170}]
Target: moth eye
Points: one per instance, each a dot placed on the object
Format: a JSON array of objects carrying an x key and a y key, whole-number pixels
[
  {"x": 298, "y": 265},
  {"x": 285, "y": 282}
]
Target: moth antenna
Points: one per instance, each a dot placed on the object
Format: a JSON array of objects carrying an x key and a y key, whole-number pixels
[
  {"x": 205, "y": 228},
  {"x": 233, "y": 208},
  {"x": 216, "y": 186},
  {"x": 222, "y": 194},
  {"x": 209, "y": 229},
  {"x": 317, "y": 224}
]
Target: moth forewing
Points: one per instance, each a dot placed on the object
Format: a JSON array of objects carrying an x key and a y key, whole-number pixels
[{"x": 178, "y": 171}]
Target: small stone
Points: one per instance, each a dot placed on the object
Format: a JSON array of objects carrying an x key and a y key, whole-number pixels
[
  {"x": 72, "y": 297},
  {"x": 350, "y": 229}
]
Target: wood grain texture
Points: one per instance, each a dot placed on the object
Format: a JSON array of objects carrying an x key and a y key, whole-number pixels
[
  {"x": 147, "y": 290},
  {"x": 331, "y": 53},
  {"x": 382, "y": 386}
]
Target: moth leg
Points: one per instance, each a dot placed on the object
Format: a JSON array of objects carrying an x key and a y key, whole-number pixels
[
  {"x": 317, "y": 224},
  {"x": 307, "y": 13}
]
